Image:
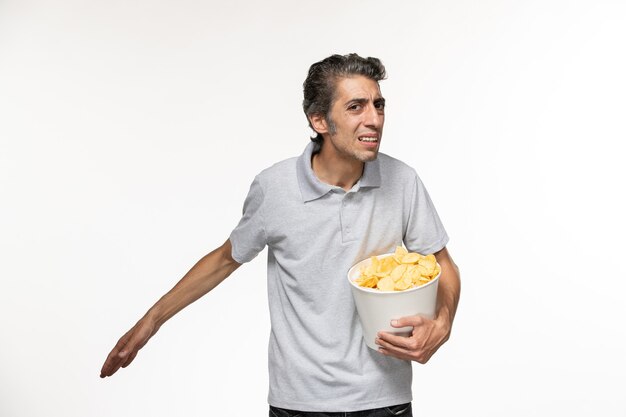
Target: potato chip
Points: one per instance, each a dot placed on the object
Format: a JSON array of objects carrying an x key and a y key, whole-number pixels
[
  {"x": 368, "y": 282},
  {"x": 403, "y": 284},
  {"x": 413, "y": 273},
  {"x": 428, "y": 265},
  {"x": 375, "y": 263},
  {"x": 411, "y": 258},
  {"x": 400, "y": 271},
  {"x": 387, "y": 264},
  {"x": 400, "y": 253},
  {"x": 386, "y": 284}
]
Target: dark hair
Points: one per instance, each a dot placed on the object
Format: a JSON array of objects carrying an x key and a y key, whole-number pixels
[{"x": 319, "y": 86}]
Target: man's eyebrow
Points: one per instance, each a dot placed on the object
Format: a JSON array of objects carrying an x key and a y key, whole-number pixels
[
  {"x": 364, "y": 100},
  {"x": 357, "y": 101}
]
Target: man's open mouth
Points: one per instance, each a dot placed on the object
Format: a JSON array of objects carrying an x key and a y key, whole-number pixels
[{"x": 369, "y": 139}]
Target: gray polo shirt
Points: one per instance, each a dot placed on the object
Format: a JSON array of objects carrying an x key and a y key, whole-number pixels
[{"x": 314, "y": 233}]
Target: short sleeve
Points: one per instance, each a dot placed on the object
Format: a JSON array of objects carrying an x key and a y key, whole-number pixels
[
  {"x": 249, "y": 238},
  {"x": 424, "y": 232}
]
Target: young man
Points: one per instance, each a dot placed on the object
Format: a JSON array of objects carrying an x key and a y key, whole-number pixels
[{"x": 318, "y": 214}]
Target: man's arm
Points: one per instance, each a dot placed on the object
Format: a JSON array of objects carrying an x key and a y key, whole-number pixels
[
  {"x": 428, "y": 335},
  {"x": 202, "y": 278}
]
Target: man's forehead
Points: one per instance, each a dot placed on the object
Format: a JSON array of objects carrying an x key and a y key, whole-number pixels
[{"x": 357, "y": 87}]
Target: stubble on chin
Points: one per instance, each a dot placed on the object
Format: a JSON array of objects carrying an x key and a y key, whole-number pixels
[
  {"x": 365, "y": 156},
  {"x": 369, "y": 158}
]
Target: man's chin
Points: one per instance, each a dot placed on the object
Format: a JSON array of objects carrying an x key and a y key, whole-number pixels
[{"x": 369, "y": 157}]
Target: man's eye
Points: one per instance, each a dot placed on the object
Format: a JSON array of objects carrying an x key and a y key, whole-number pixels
[
  {"x": 380, "y": 106},
  {"x": 355, "y": 107}
]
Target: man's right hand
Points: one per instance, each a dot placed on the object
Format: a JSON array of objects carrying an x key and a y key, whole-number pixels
[
  {"x": 205, "y": 275},
  {"x": 127, "y": 347}
]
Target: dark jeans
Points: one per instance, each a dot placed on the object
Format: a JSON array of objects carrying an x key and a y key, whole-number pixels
[{"x": 403, "y": 410}]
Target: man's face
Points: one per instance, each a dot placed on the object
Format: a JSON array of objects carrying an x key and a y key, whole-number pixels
[{"x": 356, "y": 119}]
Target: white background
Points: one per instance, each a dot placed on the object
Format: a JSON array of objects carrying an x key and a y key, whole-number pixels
[{"x": 131, "y": 130}]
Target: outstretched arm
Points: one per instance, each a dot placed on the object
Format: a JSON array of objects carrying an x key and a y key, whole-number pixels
[
  {"x": 205, "y": 275},
  {"x": 427, "y": 335}
]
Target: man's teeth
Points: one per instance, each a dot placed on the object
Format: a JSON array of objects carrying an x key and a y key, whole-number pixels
[{"x": 365, "y": 139}]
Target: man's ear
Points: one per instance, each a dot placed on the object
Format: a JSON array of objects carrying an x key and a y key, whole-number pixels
[{"x": 318, "y": 121}]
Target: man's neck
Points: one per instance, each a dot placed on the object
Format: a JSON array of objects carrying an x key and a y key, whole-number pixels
[{"x": 331, "y": 169}]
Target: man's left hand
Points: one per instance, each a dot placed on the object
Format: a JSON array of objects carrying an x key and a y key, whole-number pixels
[{"x": 427, "y": 336}]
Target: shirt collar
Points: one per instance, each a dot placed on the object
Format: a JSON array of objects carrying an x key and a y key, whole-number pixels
[{"x": 312, "y": 188}]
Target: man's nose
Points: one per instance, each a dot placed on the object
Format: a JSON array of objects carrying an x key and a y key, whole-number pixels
[{"x": 373, "y": 117}]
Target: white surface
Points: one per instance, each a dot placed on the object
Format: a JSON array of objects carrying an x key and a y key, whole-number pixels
[
  {"x": 377, "y": 308},
  {"x": 130, "y": 132}
]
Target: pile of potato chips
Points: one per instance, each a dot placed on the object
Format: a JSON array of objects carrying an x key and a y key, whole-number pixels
[{"x": 399, "y": 272}]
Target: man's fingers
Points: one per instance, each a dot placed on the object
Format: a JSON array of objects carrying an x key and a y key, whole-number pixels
[
  {"x": 388, "y": 349},
  {"x": 408, "y": 321},
  {"x": 424, "y": 341},
  {"x": 130, "y": 359},
  {"x": 109, "y": 363},
  {"x": 117, "y": 356},
  {"x": 392, "y": 339},
  {"x": 116, "y": 361},
  {"x": 411, "y": 353},
  {"x": 109, "y": 368},
  {"x": 127, "y": 347}
]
